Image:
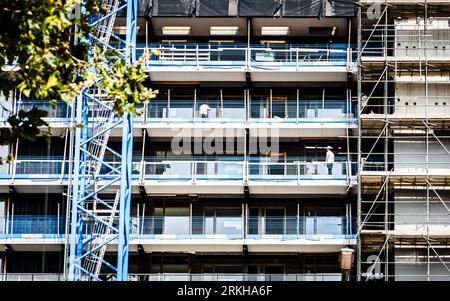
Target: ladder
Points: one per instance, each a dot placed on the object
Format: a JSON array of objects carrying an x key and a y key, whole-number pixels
[
  {"x": 101, "y": 230},
  {"x": 102, "y": 118},
  {"x": 97, "y": 218},
  {"x": 103, "y": 29}
]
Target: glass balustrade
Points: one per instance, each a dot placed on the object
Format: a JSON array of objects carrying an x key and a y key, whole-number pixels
[
  {"x": 298, "y": 170},
  {"x": 256, "y": 169},
  {"x": 60, "y": 111},
  {"x": 243, "y": 55},
  {"x": 225, "y": 111},
  {"x": 45, "y": 225},
  {"x": 181, "y": 277},
  {"x": 291, "y": 110}
]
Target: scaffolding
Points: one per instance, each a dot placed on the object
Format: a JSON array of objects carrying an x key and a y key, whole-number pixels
[
  {"x": 97, "y": 222},
  {"x": 403, "y": 199}
]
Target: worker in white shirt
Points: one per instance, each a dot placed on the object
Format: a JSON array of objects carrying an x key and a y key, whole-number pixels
[
  {"x": 329, "y": 159},
  {"x": 204, "y": 110},
  {"x": 364, "y": 101}
]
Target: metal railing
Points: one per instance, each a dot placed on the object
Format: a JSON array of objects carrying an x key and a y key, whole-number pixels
[
  {"x": 31, "y": 277},
  {"x": 289, "y": 110},
  {"x": 227, "y": 110},
  {"x": 194, "y": 170},
  {"x": 60, "y": 111},
  {"x": 196, "y": 227},
  {"x": 235, "y": 277},
  {"x": 246, "y": 170},
  {"x": 13, "y": 225},
  {"x": 181, "y": 277},
  {"x": 244, "y": 56},
  {"x": 35, "y": 168}
]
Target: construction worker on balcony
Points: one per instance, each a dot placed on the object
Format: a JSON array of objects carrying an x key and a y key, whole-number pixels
[
  {"x": 329, "y": 159},
  {"x": 204, "y": 110}
]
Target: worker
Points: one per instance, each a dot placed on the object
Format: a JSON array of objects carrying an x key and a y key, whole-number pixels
[
  {"x": 329, "y": 159},
  {"x": 204, "y": 110},
  {"x": 364, "y": 100}
]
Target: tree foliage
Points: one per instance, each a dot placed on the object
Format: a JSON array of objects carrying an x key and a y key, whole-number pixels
[{"x": 44, "y": 53}]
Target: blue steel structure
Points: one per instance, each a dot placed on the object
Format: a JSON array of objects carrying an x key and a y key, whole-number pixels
[{"x": 94, "y": 217}]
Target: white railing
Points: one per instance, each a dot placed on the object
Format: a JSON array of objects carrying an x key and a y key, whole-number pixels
[
  {"x": 240, "y": 170},
  {"x": 193, "y": 170},
  {"x": 181, "y": 277}
]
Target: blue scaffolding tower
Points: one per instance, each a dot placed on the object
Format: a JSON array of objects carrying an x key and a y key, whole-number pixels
[{"x": 97, "y": 219}]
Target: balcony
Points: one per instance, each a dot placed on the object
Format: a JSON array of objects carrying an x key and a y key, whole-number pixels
[
  {"x": 182, "y": 277},
  {"x": 191, "y": 176},
  {"x": 32, "y": 232},
  {"x": 230, "y": 177},
  {"x": 289, "y": 117},
  {"x": 212, "y": 62},
  {"x": 199, "y": 233},
  {"x": 57, "y": 116}
]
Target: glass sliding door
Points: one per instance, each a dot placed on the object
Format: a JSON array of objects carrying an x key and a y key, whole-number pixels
[
  {"x": 172, "y": 221},
  {"x": 223, "y": 221}
]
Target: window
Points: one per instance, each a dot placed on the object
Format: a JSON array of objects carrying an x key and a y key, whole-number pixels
[
  {"x": 223, "y": 221},
  {"x": 270, "y": 221},
  {"x": 173, "y": 220}
]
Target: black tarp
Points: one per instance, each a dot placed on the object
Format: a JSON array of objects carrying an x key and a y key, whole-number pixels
[
  {"x": 254, "y": 8},
  {"x": 144, "y": 7},
  {"x": 213, "y": 8},
  {"x": 302, "y": 8},
  {"x": 343, "y": 8},
  {"x": 173, "y": 8},
  {"x": 249, "y": 8}
]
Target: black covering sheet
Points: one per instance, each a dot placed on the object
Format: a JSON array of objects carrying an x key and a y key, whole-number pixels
[
  {"x": 144, "y": 7},
  {"x": 254, "y": 8},
  {"x": 343, "y": 8},
  {"x": 302, "y": 8},
  {"x": 249, "y": 8},
  {"x": 173, "y": 8}
]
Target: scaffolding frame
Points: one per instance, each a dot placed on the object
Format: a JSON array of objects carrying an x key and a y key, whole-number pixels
[
  {"x": 94, "y": 226},
  {"x": 378, "y": 72}
]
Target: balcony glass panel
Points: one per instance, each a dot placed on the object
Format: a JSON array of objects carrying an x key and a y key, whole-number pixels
[
  {"x": 292, "y": 110},
  {"x": 169, "y": 170},
  {"x": 324, "y": 225},
  {"x": 296, "y": 171},
  {"x": 217, "y": 170},
  {"x": 61, "y": 109},
  {"x": 27, "y": 168},
  {"x": 33, "y": 224},
  {"x": 177, "y": 110}
]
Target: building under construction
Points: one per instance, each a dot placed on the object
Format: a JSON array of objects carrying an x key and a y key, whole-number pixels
[
  {"x": 404, "y": 140},
  {"x": 285, "y": 135}
]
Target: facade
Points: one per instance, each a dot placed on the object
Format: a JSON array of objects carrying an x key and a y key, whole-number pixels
[
  {"x": 282, "y": 133},
  {"x": 404, "y": 141}
]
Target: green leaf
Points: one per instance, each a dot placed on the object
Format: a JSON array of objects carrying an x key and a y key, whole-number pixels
[{"x": 52, "y": 81}]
